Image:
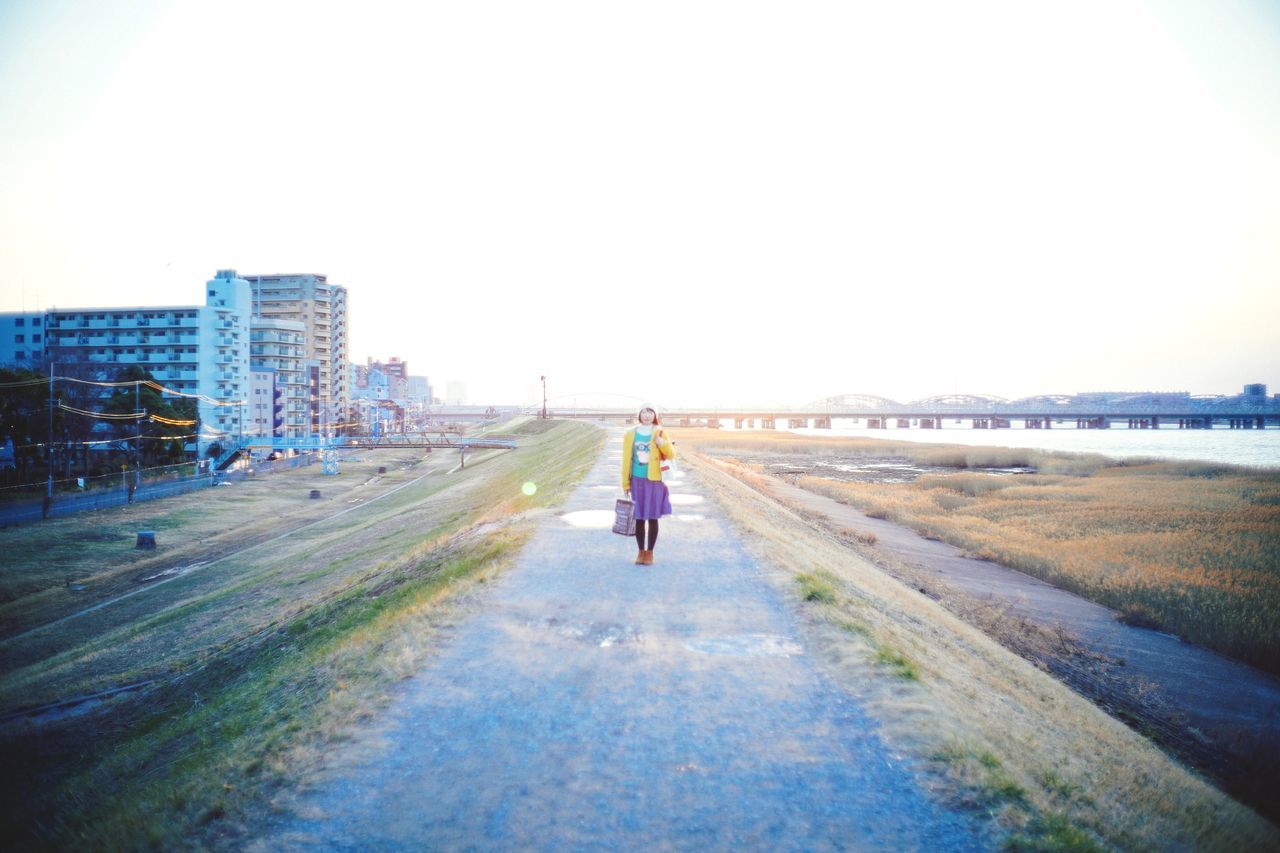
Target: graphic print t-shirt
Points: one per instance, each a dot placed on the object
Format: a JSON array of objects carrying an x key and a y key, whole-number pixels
[{"x": 640, "y": 454}]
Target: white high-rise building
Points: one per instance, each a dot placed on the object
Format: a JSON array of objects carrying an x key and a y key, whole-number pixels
[
  {"x": 321, "y": 307},
  {"x": 280, "y": 346},
  {"x": 224, "y": 356}
]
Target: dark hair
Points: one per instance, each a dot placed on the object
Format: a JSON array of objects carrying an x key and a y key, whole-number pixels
[{"x": 656, "y": 420}]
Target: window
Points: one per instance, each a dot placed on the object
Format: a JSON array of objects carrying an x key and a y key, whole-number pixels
[
  {"x": 35, "y": 321},
  {"x": 20, "y": 322},
  {"x": 35, "y": 339},
  {"x": 19, "y": 355},
  {"x": 19, "y": 339}
]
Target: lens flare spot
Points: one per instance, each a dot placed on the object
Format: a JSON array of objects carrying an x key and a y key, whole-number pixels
[{"x": 529, "y": 489}]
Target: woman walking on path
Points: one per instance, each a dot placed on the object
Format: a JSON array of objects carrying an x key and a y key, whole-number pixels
[{"x": 644, "y": 448}]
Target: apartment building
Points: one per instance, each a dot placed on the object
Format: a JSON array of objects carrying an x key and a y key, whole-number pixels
[
  {"x": 321, "y": 308},
  {"x": 280, "y": 347},
  {"x": 22, "y": 339},
  {"x": 192, "y": 349},
  {"x": 266, "y": 403}
]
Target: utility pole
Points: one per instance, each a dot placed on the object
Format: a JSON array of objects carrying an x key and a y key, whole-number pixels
[
  {"x": 544, "y": 398},
  {"x": 137, "y": 439},
  {"x": 48, "y": 448}
]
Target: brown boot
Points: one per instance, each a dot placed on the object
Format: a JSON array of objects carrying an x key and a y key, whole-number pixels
[
  {"x": 640, "y": 558},
  {"x": 648, "y": 557}
]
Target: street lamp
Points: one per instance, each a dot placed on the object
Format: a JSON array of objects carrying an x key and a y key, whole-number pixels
[{"x": 544, "y": 397}]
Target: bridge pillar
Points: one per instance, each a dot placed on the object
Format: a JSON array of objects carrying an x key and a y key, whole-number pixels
[
  {"x": 713, "y": 423},
  {"x": 822, "y": 423},
  {"x": 926, "y": 423},
  {"x": 1262, "y": 422},
  {"x": 904, "y": 423}
]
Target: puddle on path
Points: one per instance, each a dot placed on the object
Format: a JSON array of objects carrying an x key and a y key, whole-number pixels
[
  {"x": 600, "y": 634},
  {"x": 746, "y": 645},
  {"x": 597, "y": 518}
]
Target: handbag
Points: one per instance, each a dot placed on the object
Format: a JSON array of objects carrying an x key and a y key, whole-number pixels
[
  {"x": 667, "y": 465},
  {"x": 624, "y": 517}
]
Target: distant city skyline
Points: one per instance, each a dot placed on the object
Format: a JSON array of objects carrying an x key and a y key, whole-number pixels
[{"x": 689, "y": 204}]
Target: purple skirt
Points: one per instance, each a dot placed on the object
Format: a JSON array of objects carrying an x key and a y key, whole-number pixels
[{"x": 651, "y": 498}]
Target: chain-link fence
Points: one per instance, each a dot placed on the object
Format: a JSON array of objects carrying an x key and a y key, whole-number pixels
[{"x": 30, "y": 502}]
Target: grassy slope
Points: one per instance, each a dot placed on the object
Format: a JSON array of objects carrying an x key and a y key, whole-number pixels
[
  {"x": 1008, "y": 738},
  {"x": 261, "y": 660}
]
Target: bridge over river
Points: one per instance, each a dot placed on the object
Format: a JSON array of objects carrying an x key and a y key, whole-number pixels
[{"x": 1085, "y": 411}]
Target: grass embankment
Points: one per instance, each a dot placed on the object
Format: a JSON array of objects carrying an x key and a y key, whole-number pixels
[
  {"x": 259, "y": 661},
  {"x": 1190, "y": 548},
  {"x": 1006, "y": 738}
]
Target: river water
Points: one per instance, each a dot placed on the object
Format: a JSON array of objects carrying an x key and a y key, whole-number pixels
[{"x": 1252, "y": 447}]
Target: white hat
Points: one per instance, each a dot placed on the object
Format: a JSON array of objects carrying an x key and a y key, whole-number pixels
[{"x": 657, "y": 415}]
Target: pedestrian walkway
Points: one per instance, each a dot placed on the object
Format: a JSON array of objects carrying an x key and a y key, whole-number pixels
[{"x": 590, "y": 703}]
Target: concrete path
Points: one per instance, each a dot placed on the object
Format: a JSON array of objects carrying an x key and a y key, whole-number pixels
[{"x": 591, "y": 703}]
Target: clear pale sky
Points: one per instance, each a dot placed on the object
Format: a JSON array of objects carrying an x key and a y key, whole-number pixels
[{"x": 685, "y": 202}]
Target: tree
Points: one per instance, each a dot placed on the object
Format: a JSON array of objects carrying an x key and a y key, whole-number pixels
[{"x": 156, "y": 448}]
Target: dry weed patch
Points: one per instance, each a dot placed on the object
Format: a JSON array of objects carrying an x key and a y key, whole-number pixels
[
  {"x": 1188, "y": 547},
  {"x": 1198, "y": 557},
  {"x": 1050, "y": 767}
]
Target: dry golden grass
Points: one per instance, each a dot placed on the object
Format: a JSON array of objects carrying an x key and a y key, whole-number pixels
[
  {"x": 1191, "y": 548},
  {"x": 1008, "y": 738},
  {"x": 1196, "y": 556},
  {"x": 940, "y": 455}
]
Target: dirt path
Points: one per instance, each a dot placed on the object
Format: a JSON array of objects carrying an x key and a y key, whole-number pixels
[
  {"x": 1231, "y": 707},
  {"x": 592, "y": 703}
]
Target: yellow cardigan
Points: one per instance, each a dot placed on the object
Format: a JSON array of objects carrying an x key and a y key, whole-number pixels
[{"x": 655, "y": 459}]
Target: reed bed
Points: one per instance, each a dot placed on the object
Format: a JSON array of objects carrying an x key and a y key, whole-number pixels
[
  {"x": 1187, "y": 547},
  {"x": 936, "y": 455}
]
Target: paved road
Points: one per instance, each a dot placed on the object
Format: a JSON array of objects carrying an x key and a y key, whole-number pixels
[{"x": 590, "y": 703}]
